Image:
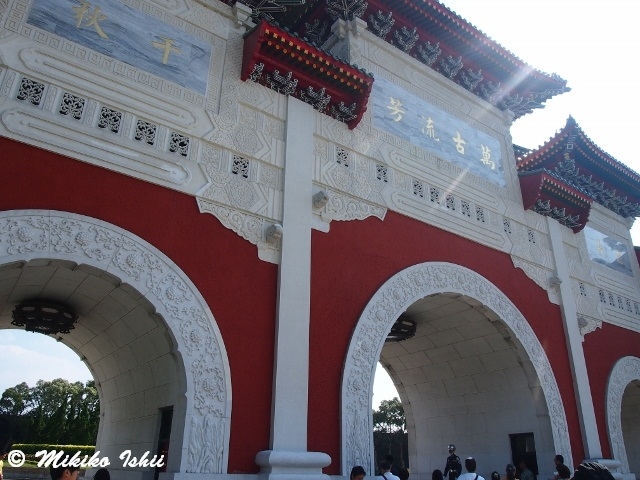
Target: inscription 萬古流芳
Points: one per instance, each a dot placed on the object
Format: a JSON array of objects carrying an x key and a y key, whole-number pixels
[
  {"x": 129, "y": 35},
  {"x": 401, "y": 113}
]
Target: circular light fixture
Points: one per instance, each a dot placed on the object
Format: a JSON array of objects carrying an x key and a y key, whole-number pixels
[
  {"x": 44, "y": 316},
  {"x": 403, "y": 329}
]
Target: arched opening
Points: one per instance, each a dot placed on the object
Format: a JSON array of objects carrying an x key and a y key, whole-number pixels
[
  {"x": 623, "y": 414},
  {"x": 144, "y": 331},
  {"x": 465, "y": 379},
  {"x": 630, "y": 419},
  {"x": 462, "y": 375},
  {"x": 125, "y": 344}
]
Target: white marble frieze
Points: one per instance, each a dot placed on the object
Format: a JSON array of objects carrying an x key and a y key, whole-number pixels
[{"x": 114, "y": 153}]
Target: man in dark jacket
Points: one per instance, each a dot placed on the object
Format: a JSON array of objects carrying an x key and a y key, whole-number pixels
[{"x": 453, "y": 467}]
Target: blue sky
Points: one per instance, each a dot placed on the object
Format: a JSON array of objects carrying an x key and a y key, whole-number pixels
[
  {"x": 589, "y": 43},
  {"x": 29, "y": 357}
]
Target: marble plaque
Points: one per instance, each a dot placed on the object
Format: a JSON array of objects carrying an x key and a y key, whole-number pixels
[
  {"x": 424, "y": 125},
  {"x": 129, "y": 35},
  {"x": 607, "y": 251}
]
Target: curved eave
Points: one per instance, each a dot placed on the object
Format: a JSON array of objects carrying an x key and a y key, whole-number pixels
[
  {"x": 270, "y": 51},
  {"x": 524, "y": 88},
  {"x": 561, "y": 199},
  {"x": 571, "y": 142}
]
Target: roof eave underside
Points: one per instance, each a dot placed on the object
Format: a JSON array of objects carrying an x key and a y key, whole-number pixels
[
  {"x": 571, "y": 143},
  {"x": 523, "y": 88}
]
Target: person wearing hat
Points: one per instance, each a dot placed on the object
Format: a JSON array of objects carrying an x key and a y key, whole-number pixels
[{"x": 453, "y": 467}]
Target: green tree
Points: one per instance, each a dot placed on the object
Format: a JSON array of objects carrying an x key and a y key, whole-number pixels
[
  {"x": 389, "y": 432},
  {"x": 52, "y": 412},
  {"x": 16, "y": 401}
]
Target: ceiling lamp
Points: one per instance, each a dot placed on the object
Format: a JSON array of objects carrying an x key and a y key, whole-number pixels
[
  {"x": 403, "y": 329},
  {"x": 44, "y": 316}
]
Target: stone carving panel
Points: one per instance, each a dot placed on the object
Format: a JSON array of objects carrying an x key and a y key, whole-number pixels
[
  {"x": 343, "y": 207},
  {"x": 256, "y": 190},
  {"x": 393, "y": 298},
  {"x": 588, "y": 324},
  {"x": 30, "y": 234},
  {"x": 250, "y": 227},
  {"x": 540, "y": 275},
  {"x": 626, "y": 370}
]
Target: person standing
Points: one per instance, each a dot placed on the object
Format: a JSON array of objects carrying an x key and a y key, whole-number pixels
[
  {"x": 385, "y": 471},
  {"x": 564, "y": 472},
  {"x": 64, "y": 473},
  {"x": 2, "y": 455},
  {"x": 102, "y": 474},
  {"x": 403, "y": 473},
  {"x": 453, "y": 468},
  {"x": 357, "y": 473},
  {"x": 525, "y": 473},
  {"x": 470, "y": 465},
  {"x": 560, "y": 467}
]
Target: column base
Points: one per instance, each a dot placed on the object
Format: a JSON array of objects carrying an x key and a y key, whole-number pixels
[{"x": 290, "y": 465}]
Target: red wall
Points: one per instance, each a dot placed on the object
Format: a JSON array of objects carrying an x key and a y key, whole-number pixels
[
  {"x": 349, "y": 264},
  {"x": 602, "y": 349},
  {"x": 355, "y": 258},
  {"x": 238, "y": 287}
]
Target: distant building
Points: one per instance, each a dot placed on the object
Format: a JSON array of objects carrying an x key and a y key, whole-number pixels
[{"x": 248, "y": 208}]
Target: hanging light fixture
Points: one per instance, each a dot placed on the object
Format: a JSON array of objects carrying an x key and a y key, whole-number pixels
[
  {"x": 44, "y": 316},
  {"x": 403, "y": 329}
]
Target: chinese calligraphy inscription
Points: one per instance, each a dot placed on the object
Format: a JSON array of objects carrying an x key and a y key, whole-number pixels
[
  {"x": 404, "y": 114},
  {"x": 112, "y": 28}
]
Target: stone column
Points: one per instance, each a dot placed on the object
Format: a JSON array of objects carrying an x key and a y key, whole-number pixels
[
  {"x": 288, "y": 457},
  {"x": 588, "y": 426}
]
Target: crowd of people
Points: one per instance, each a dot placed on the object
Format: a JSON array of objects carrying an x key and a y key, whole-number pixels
[{"x": 453, "y": 470}]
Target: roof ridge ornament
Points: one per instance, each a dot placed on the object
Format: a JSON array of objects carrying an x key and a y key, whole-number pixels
[
  {"x": 346, "y": 9},
  {"x": 450, "y": 66},
  {"x": 406, "y": 38},
  {"x": 429, "y": 53},
  {"x": 381, "y": 24},
  {"x": 264, "y": 8},
  {"x": 315, "y": 32}
]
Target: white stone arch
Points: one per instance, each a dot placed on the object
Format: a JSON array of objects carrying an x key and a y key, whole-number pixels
[
  {"x": 625, "y": 371},
  {"x": 384, "y": 308},
  {"x": 45, "y": 234}
]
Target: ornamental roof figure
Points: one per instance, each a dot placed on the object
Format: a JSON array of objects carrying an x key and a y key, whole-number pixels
[
  {"x": 569, "y": 172},
  {"x": 437, "y": 37}
]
